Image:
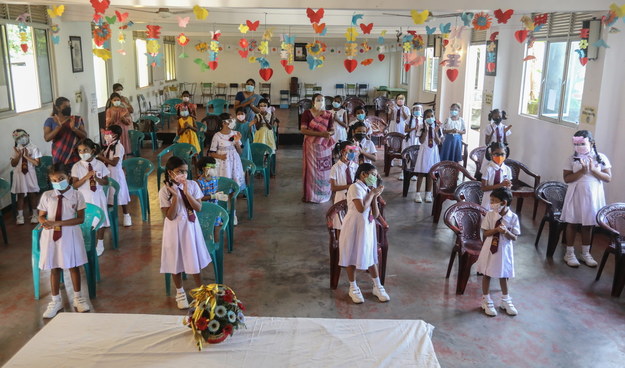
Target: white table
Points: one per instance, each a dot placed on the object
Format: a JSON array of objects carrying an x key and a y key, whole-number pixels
[{"x": 139, "y": 340}]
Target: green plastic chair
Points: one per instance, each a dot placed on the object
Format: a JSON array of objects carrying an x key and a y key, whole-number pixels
[
  {"x": 261, "y": 156},
  {"x": 136, "y": 142},
  {"x": 5, "y": 188},
  {"x": 168, "y": 110},
  {"x": 92, "y": 267},
  {"x": 137, "y": 171},
  {"x": 113, "y": 211},
  {"x": 250, "y": 169},
  {"x": 207, "y": 217},
  {"x": 201, "y": 135},
  {"x": 156, "y": 121},
  {"x": 42, "y": 179},
  {"x": 230, "y": 187},
  {"x": 185, "y": 151},
  {"x": 219, "y": 106}
]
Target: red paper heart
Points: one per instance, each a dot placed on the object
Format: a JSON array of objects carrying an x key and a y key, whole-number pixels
[
  {"x": 452, "y": 74},
  {"x": 445, "y": 42},
  {"x": 366, "y": 28},
  {"x": 266, "y": 73},
  {"x": 503, "y": 17},
  {"x": 243, "y": 43},
  {"x": 490, "y": 67},
  {"x": 289, "y": 69},
  {"x": 252, "y": 26},
  {"x": 350, "y": 64},
  {"x": 521, "y": 35},
  {"x": 406, "y": 67},
  {"x": 493, "y": 36},
  {"x": 583, "y": 61},
  {"x": 381, "y": 57},
  {"x": 284, "y": 62},
  {"x": 24, "y": 47},
  {"x": 212, "y": 65},
  {"x": 243, "y": 53}
]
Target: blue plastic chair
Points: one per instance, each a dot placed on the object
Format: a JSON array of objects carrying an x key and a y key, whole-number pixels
[
  {"x": 168, "y": 110},
  {"x": 5, "y": 188},
  {"x": 42, "y": 179},
  {"x": 230, "y": 187},
  {"x": 261, "y": 156},
  {"x": 185, "y": 151},
  {"x": 137, "y": 171},
  {"x": 92, "y": 267},
  {"x": 219, "y": 106},
  {"x": 250, "y": 169},
  {"x": 136, "y": 142},
  {"x": 113, "y": 211},
  {"x": 207, "y": 217},
  {"x": 156, "y": 121}
]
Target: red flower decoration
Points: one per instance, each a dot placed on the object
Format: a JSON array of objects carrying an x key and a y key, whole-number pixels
[
  {"x": 228, "y": 297},
  {"x": 202, "y": 324},
  {"x": 241, "y": 307},
  {"x": 228, "y": 329},
  {"x": 101, "y": 34}
]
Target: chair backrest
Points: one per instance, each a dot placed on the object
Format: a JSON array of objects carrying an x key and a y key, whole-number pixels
[
  {"x": 379, "y": 103},
  {"x": 169, "y": 106},
  {"x": 470, "y": 191},
  {"x": 303, "y": 105},
  {"x": 339, "y": 209},
  {"x": 228, "y": 186},
  {"x": 112, "y": 183},
  {"x": 552, "y": 193},
  {"x": 352, "y": 103},
  {"x": 477, "y": 156},
  {"x": 465, "y": 219},
  {"x": 516, "y": 167},
  {"x": 94, "y": 219},
  {"x": 42, "y": 172},
  {"x": 378, "y": 125},
  {"x": 5, "y": 187},
  {"x": 137, "y": 171},
  {"x": 409, "y": 157},
  {"x": 445, "y": 175},
  {"x": 612, "y": 218},
  {"x": 207, "y": 218},
  {"x": 393, "y": 142},
  {"x": 136, "y": 136},
  {"x": 248, "y": 166},
  {"x": 185, "y": 151},
  {"x": 430, "y": 104},
  {"x": 260, "y": 154}
]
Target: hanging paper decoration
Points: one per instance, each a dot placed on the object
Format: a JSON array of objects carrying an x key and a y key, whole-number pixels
[
  {"x": 540, "y": 19},
  {"x": 56, "y": 11},
  {"x": 244, "y": 45},
  {"x": 203, "y": 66},
  {"x": 55, "y": 29},
  {"x": 315, "y": 59},
  {"x": 521, "y": 35},
  {"x": 153, "y": 46},
  {"x": 286, "y": 52},
  {"x": 314, "y": 16},
  {"x": 419, "y": 17},
  {"x": 101, "y": 34},
  {"x": 182, "y": 22},
  {"x": 23, "y": 31},
  {"x": 214, "y": 49},
  {"x": 243, "y": 28},
  {"x": 493, "y": 36},
  {"x": 381, "y": 48},
  {"x": 482, "y": 21},
  {"x": 100, "y": 6},
  {"x": 182, "y": 39},
  {"x": 503, "y": 16},
  {"x": 121, "y": 17},
  {"x": 200, "y": 13},
  {"x": 253, "y": 26},
  {"x": 366, "y": 28},
  {"x": 265, "y": 71},
  {"x": 454, "y": 46},
  {"x": 618, "y": 10},
  {"x": 528, "y": 23},
  {"x": 103, "y": 54},
  {"x": 201, "y": 47},
  {"x": 110, "y": 20},
  {"x": 491, "y": 58},
  {"x": 467, "y": 18},
  {"x": 365, "y": 46},
  {"x": 430, "y": 30},
  {"x": 319, "y": 28}
]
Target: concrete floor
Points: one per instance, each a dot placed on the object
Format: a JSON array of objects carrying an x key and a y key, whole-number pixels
[{"x": 279, "y": 267}]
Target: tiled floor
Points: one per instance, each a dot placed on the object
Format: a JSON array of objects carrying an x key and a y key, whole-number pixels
[{"x": 279, "y": 267}]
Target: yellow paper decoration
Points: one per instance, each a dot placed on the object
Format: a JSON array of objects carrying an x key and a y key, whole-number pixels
[
  {"x": 214, "y": 46},
  {"x": 201, "y": 47},
  {"x": 419, "y": 17},
  {"x": 264, "y": 47},
  {"x": 56, "y": 11},
  {"x": 153, "y": 46},
  {"x": 103, "y": 54},
  {"x": 252, "y": 59},
  {"x": 200, "y": 13},
  {"x": 268, "y": 34},
  {"x": 243, "y": 28},
  {"x": 351, "y": 34},
  {"x": 122, "y": 37}
]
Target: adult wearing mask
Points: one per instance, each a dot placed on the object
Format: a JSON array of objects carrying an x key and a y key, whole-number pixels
[
  {"x": 317, "y": 127},
  {"x": 64, "y": 130},
  {"x": 248, "y": 100},
  {"x": 118, "y": 88}
]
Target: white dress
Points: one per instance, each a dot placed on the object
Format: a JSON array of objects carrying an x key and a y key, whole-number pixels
[
  {"x": 231, "y": 167},
  {"x": 117, "y": 174},
  {"x": 338, "y": 173},
  {"x": 357, "y": 242},
  {"x": 584, "y": 197},
  {"x": 183, "y": 247},
  {"x": 489, "y": 176},
  {"x": 340, "y": 133},
  {"x": 427, "y": 156},
  {"x": 414, "y": 122},
  {"x": 500, "y": 264},
  {"x": 25, "y": 183},
  {"x": 398, "y": 126},
  {"x": 98, "y": 198},
  {"x": 69, "y": 251},
  {"x": 369, "y": 147},
  {"x": 493, "y": 130}
]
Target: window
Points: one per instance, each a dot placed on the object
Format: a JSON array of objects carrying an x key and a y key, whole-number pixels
[
  {"x": 170, "y": 58},
  {"x": 403, "y": 76},
  {"x": 101, "y": 80},
  {"x": 553, "y": 80},
  {"x": 144, "y": 72},
  {"x": 430, "y": 71}
]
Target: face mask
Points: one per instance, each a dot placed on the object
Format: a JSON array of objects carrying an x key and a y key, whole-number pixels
[
  {"x": 582, "y": 150},
  {"x": 360, "y": 117},
  {"x": 184, "y": 113},
  {"x": 371, "y": 181},
  {"x": 496, "y": 207},
  {"x": 497, "y": 121},
  {"x": 263, "y": 108},
  {"x": 180, "y": 178},
  {"x": 117, "y": 103},
  {"x": 108, "y": 138},
  {"x": 85, "y": 156},
  {"x": 241, "y": 117},
  {"x": 454, "y": 112},
  {"x": 249, "y": 88},
  {"x": 351, "y": 156},
  {"x": 336, "y": 105},
  {"x": 400, "y": 102},
  {"x": 360, "y": 136},
  {"x": 23, "y": 141},
  {"x": 430, "y": 121},
  {"x": 417, "y": 113},
  {"x": 185, "y": 99},
  {"x": 67, "y": 111},
  {"x": 61, "y": 185},
  {"x": 118, "y": 92},
  {"x": 319, "y": 105},
  {"x": 232, "y": 124},
  {"x": 499, "y": 160}
]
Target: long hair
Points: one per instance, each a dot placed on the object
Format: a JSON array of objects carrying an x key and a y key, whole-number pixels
[
  {"x": 172, "y": 163},
  {"x": 591, "y": 140}
]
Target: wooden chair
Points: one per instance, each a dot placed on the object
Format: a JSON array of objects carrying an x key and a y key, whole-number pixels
[
  {"x": 477, "y": 156},
  {"x": 469, "y": 191},
  {"x": 521, "y": 189},
  {"x": 302, "y": 105},
  {"x": 445, "y": 175},
  {"x": 340, "y": 210},
  {"x": 379, "y": 105},
  {"x": 465, "y": 220},
  {"x": 427, "y": 105},
  {"x": 392, "y": 149},
  {"x": 611, "y": 218},
  {"x": 552, "y": 194},
  {"x": 378, "y": 126},
  {"x": 408, "y": 161}
]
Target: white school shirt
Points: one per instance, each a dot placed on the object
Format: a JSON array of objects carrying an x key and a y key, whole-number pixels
[
  {"x": 489, "y": 176},
  {"x": 25, "y": 183},
  {"x": 500, "y": 264},
  {"x": 454, "y": 124},
  {"x": 369, "y": 147},
  {"x": 337, "y": 172},
  {"x": 98, "y": 198},
  {"x": 493, "y": 130}
]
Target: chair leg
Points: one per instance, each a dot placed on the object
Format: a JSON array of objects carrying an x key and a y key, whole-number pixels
[
  {"x": 464, "y": 271},
  {"x": 387, "y": 165},
  {"x": 266, "y": 173},
  {"x": 4, "y": 230},
  {"x": 437, "y": 207},
  {"x": 604, "y": 259},
  {"x": 382, "y": 265},
  {"x": 406, "y": 183},
  {"x": 619, "y": 277},
  {"x": 519, "y": 206},
  {"x": 535, "y": 209},
  {"x": 540, "y": 230},
  {"x": 154, "y": 142},
  {"x": 451, "y": 261},
  {"x": 555, "y": 228},
  {"x": 35, "y": 267},
  {"x": 335, "y": 269}
]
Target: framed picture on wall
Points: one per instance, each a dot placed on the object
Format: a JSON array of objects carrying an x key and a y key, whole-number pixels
[
  {"x": 300, "y": 52},
  {"x": 75, "y": 47}
]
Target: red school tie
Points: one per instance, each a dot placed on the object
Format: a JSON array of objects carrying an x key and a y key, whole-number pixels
[
  {"x": 497, "y": 179},
  {"x": 494, "y": 244},
  {"x": 24, "y": 165},
  {"x": 499, "y": 137},
  {"x": 187, "y": 205},
  {"x": 430, "y": 139},
  {"x": 59, "y": 217},
  {"x": 92, "y": 184},
  {"x": 348, "y": 176},
  {"x": 398, "y": 117}
]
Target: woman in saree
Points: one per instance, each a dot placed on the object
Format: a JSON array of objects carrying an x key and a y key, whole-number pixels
[
  {"x": 248, "y": 101},
  {"x": 317, "y": 127}
]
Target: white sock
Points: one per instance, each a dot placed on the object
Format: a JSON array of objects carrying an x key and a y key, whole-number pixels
[
  {"x": 20, "y": 212},
  {"x": 76, "y": 294},
  {"x": 505, "y": 297},
  {"x": 376, "y": 282},
  {"x": 570, "y": 250},
  {"x": 56, "y": 298},
  {"x": 486, "y": 297},
  {"x": 180, "y": 291},
  {"x": 101, "y": 243},
  {"x": 352, "y": 285},
  {"x": 585, "y": 249}
]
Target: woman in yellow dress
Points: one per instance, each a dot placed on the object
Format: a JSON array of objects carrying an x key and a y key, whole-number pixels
[
  {"x": 264, "y": 122},
  {"x": 187, "y": 130}
]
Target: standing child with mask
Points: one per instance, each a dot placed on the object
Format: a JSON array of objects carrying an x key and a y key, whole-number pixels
[
  {"x": 497, "y": 173},
  {"x": 117, "y": 114},
  {"x": 584, "y": 172},
  {"x": 343, "y": 173},
  {"x": 187, "y": 129},
  {"x": 183, "y": 247},
  {"x": 399, "y": 115},
  {"x": 410, "y": 129},
  {"x": 186, "y": 104},
  {"x": 339, "y": 114},
  {"x": 245, "y": 130},
  {"x": 264, "y": 122},
  {"x": 453, "y": 129},
  {"x": 427, "y": 156},
  {"x": 500, "y": 228},
  {"x": 496, "y": 131},
  {"x": 61, "y": 211},
  {"x": 24, "y": 159},
  {"x": 113, "y": 156},
  {"x": 88, "y": 177},
  {"x": 366, "y": 147},
  {"x": 357, "y": 242}
]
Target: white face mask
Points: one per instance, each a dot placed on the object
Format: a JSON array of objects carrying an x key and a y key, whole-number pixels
[
  {"x": 180, "y": 178},
  {"x": 319, "y": 105},
  {"x": 185, "y": 99},
  {"x": 117, "y": 103},
  {"x": 232, "y": 124},
  {"x": 108, "y": 138},
  {"x": 263, "y": 108},
  {"x": 497, "y": 207},
  {"x": 210, "y": 172},
  {"x": 184, "y": 113},
  {"x": 85, "y": 156},
  {"x": 241, "y": 117},
  {"x": 249, "y": 88},
  {"x": 23, "y": 141}
]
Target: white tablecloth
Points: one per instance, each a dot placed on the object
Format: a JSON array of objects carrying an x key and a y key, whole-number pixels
[{"x": 138, "y": 340}]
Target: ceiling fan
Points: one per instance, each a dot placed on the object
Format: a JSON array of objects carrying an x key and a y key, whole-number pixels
[{"x": 161, "y": 12}]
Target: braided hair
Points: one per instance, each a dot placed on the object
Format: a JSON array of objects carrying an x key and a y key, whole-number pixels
[
  {"x": 496, "y": 145},
  {"x": 94, "y": 147},
  {"x": 587, "y": 134},
  {"x": 502, "y": 113},
  {"x": 172, "y": 163}
]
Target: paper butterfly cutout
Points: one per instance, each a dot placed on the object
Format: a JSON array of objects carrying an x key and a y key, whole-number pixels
[
  {"x": 182, "y": 39},
  {"x": 540, "y": 19},
  {"x": 584, "y": 33},
  {"x": 407, "y": 38},
  {"x": 154, "y": 59},
  {"x": 56, "y": 39},
  {"x": 121, "y": 17},
  {"x": 430, "y": 30},
  {"x": 56, "y": 11},
  {"x": 253, "y": 26},
  {"x": 503, "y": 16},
  {"x": 313, "y": 62},
  {"x": 529, "y": 57},
  {"x": 366, "y": 28},
  {"x": 528, "y": 23},
  {"x": 243, "y": 28},
  {"x": 601, "y": 43},
  {"x": 100, "y": 6},
  {"x": 200, "y": 13},
  {"x": 356, "y": 18},
  {"x": 153, "y": 31},
  {"x": 351, "y": 34},
  {"x": 419, "y": 18},
  {"x": 467, "y": 18},
  {"x": 110, "y": 20},
  {"x": 182, "y": 22},
  {"x": 103, "y": 54},
  {"x": 445, "y": 28},
  {"x": 315, "y": 17},
  {"x": 319, "y": 28},
  {"x": 289, "y": 39},
  {"x": 215, "y": 35},
  {"x": 183, "y": 55},
  {"x": 201, "y": 47},
  {"x": 323, "y": 33},
  {"x": 618, "y": 10}
]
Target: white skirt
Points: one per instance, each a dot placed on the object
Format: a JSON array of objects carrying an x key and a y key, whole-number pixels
[
  {"x": 426, "y": 158},
  {"x": 582, "y": 202},
  {"x": 24, "y": 183},
  {"x": 340, "y": 133},
  {"x": 67, "y": 252},
  {"x": 357, "y": 242},
  {"x": 397, "y": 127},
  {"x": 498, "y": 265},
  {"x": 123, "y": 198},
  {"x": 183, "y": 247}
]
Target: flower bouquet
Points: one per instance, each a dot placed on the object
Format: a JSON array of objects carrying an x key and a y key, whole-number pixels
[{"x": 214, "y": 314}]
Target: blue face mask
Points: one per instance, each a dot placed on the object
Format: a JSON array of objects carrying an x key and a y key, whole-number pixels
[
  {"x": 336, "y": 105},
  {"x": 430, "y": 121},
  {"x": 249, "y": 88},
  {"x": 417, "y": 113},
  {"x": 454, "y": 113},
  {"x": 360, "y": 117},
  {"x": 351, "y": 156},
  {"x": 61, "y": 185}
]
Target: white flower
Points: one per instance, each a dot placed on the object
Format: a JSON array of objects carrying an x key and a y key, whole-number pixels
[
  {"x": 213, "y": 326},
  {"x": 232, "y": 316},
  {"x": 220, "y": 311}
]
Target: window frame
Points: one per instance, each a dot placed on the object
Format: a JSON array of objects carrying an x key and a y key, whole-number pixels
[
  {"x": 429, "y": 60},
  {"x": 170, "y": 44},
  {"x": 141, "y": 36}
]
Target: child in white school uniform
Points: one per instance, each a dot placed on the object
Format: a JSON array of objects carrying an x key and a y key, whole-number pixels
[
  {"x": 496, "y": 131},
  {"x": 410, "y": 129},
  {"x": 339, "y": 117},
  {"x": 183, "y": 247},
  {"x": 264, "y": 122},
  {"x": 24, "y": 159},
  {"x": 360, "y": 117},
  {"x": 357, "y": 241},
  {"x": 112, "y": 157},
  {"x": 343, "y": 173},
  {"x": 61, "y": 211},
  {"x": 399, "y": 114},
  {"x": 584, "y": 172},
  {"x": 88, "y": 177},
  {"x": 428, "y": 154},
  {"x": 497, "y": 173},
  {"x": 500, "y": 228},
  {"x": 366, "y": 148}
]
